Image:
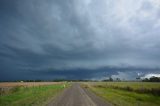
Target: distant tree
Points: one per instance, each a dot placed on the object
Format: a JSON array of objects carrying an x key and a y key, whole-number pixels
[
  {"x": 145, "y": 80},
  {"x": 118, "y": 79},
  {"x": 110, "y": 79},
  {"x": 138, "y": 78},
  {"x": 152, "y": 79}
]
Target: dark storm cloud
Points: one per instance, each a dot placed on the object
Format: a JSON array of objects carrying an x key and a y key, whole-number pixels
[{"x": 77, "y": 38}]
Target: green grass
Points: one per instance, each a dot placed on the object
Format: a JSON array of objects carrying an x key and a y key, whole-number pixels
[
  {"x": 30, "y": 96},
  {"x": 119, "y": 97}
]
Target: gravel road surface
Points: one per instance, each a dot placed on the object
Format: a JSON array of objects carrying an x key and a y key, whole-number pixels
[{"x": 77, "y": 96}]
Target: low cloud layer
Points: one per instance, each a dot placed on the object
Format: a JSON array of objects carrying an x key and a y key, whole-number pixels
[{"x": 78, "y": 38}]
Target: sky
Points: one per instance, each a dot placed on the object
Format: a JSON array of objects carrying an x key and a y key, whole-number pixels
[{"x": 79, "y": 39}]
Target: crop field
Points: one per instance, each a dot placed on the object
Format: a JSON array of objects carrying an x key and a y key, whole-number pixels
[
  {"x": 31, "y": 93},
  {"x": 13, "y": 84},
  {"x": 127, "y": 93}
]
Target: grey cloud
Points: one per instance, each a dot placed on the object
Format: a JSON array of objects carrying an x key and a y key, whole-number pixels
[{"x": 86, "y": 34}]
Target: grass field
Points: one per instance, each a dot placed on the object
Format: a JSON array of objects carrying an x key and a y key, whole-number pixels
[
  {"x": 30, "y": 96},
  {"x": 127, "y": 93}
]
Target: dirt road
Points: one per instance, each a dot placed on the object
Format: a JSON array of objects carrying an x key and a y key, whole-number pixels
[{"x": 78, "y": 96}]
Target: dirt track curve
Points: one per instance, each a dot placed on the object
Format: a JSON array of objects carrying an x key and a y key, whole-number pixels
[{"x": 77, "y": 96}]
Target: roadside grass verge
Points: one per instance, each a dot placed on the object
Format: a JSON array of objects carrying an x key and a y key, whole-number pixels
[
  {"x": 30, "y": 96},
  {"x": 138, "y": 87},
  {"x": 153, "y": 91},
  {"x": 124, "y": 97}
]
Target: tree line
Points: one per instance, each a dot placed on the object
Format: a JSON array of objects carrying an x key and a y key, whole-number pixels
[{"x": 152, "y": 79}]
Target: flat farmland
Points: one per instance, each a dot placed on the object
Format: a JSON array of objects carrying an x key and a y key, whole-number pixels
[
  {"x": 127, "y": 93},
  {"x": 80, "y": 94},
  {"x": 27, "y": 84},
  {"x": 29, "y": 93}
]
